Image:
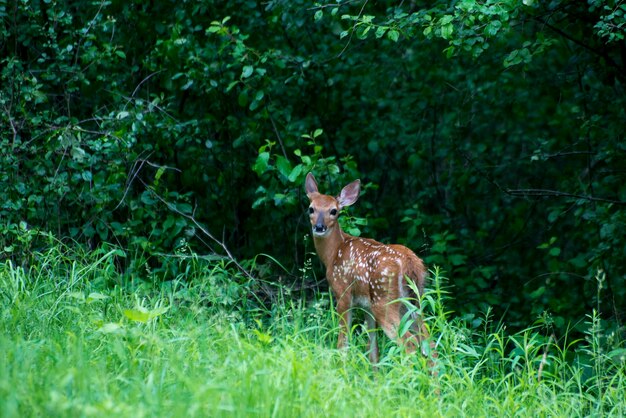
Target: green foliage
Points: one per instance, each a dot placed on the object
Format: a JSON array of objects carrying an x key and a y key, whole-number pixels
[{"x": 480, "y": 130}]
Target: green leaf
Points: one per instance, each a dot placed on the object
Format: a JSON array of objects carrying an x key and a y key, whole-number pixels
[
  {"x": 446, "y": 19},
  {"x": 362, "y": 32},
  {"x": 457, "y": 259},
  {"x": 262, "y": 163},
  {"x": 537, "y": 293},
  {"x": 493, "y": 27},
  {"x": 143, "y": 315},
  {"x": 94, "y": 296},
  {"x": 254, "y": 105},
  {"x": 247, "y": 71},
  {"x": 283, "y": 166},
  {"x": 447, "y": 30},
  {"x": 318, "y": 15},
  {"x": 147, "y": 198},
  {"x": 242, "y": 99},
  {"x": 393, "y": 35},
  {"x": 295, "y": 173}
]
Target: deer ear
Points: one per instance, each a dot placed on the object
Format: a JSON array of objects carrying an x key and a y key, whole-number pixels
[
  {"x": 349, "y": 194},
  {"x": 310, "y": 185}
]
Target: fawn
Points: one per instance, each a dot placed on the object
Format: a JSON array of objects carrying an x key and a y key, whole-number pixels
[{"x": 363, "y": 272}]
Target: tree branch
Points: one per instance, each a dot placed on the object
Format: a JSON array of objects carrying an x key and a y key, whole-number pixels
[
  {"x": 201, "y": 228},
  {"x": 556, "y": 193},
  {"x": 538, "y": 192},
  {"x": 580, "y": 43}
]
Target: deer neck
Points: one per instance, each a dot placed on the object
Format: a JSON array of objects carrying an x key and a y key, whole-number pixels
[{"x": 328, "y": 246}]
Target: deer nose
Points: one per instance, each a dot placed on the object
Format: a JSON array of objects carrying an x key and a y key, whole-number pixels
[{"x": 319, "y": 228}]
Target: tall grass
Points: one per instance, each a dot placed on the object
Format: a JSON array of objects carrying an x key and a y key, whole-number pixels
[{"x": 78, "y": 339}]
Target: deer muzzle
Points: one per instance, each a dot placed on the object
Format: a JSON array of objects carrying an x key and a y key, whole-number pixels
[{"x": 319, "y": 228}]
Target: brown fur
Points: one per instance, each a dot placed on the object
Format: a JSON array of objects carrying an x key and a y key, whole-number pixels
[{"x": 365, "y": 272}]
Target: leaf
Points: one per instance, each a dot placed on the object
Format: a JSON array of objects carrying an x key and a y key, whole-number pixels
[
  {"x": 214, "y": 28},
  {"x": 94, "y": 296},
  {"x": 295, "y": 173},
  {"x": 283, "y": 165},
  {"x": 147, "y": 198},
  {"x": 143, "y": 315},
  {"x": 446, "y": 19},
  {"x": 77, "y": 295},
  {"x": 318, "y": 132},
  {"x": 362, "y": 32},
  {"x": 242, "y": 99},
  {"x": 447, "y": 30},
  {"x": 247, "y": 71},
  {"x": 231, "y": 85},
  {"x": 318, "y": 15},
  {"x": 261, "y": 165},
  {"x": 380, "y": 31},
  {"x": 493, "y": 27},
  {"x": 159, "y": 173},
  {"x": 169, "y": 222},
  {"x": 537, "y": 293},
  {"x": 619, "y": 354},
  {"x": 254, "y": 105},
  {"x": 393, "y": 35},
  {"x": 457, "y": 259}
]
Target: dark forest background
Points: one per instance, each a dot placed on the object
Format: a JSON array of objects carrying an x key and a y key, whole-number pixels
[{"x": 490, "y": 138}]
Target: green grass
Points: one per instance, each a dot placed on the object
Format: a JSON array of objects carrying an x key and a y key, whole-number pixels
[{"x": 78, "y": 339}]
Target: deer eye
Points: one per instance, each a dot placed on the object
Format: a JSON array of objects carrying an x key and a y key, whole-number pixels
[
  {"x": 311, "y": 210},
  {"x": 333, "y": 212}
]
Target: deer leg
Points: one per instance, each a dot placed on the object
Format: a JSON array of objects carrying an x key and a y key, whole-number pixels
[
  {"x": 345, "y": 320},
  {"x": 388, "y": 316},
  {"x": 372, "y": 344}
]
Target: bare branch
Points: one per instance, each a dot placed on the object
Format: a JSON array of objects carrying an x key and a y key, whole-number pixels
[
  {"x": 135, "y": 173},
  {"x": 280, "y": 139},
  {"x": 538, "y": 192},
  {"x": 198, "y": 225},
  {"x": 325, "y": 6},
  {"x": 556, "y": 193},
  {"x": 353, "y": 29},
  {"x": 144, "y": 80}
]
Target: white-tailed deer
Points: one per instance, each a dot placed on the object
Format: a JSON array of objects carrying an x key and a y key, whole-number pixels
[{"x": 366, "y": 273}]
